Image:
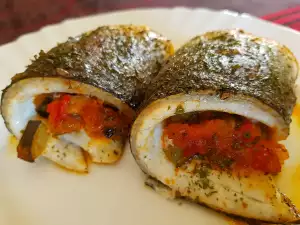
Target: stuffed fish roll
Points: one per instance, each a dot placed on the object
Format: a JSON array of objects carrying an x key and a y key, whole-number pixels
[
  {"x": 81, "y": 95},
  {"x": 210, "y": 125}
]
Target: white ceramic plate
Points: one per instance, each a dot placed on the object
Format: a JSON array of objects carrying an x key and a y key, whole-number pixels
[{"x": 43, "y": 194}]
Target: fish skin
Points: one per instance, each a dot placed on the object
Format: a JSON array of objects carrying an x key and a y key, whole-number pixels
[
  {"x": 231, "y": 61},
  {"x": 120, "y": 59}
]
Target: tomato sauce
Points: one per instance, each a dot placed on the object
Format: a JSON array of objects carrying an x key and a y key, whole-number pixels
[
  {"x": 227, "y": 143},
  {"x": 71, "y": 113}
]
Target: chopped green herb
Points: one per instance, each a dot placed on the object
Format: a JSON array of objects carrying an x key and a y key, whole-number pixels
[
  {"x": 205, "y": 183},
  {"x": 235, "y": 67},
  {"x": 247, "y": 135},
  {"x": 207, "y": 165},
  {"x": 255, "y": 39},
  {"x": 228, "y": 51},
  {"x": 210, "y": 193},
  {"x": 179, "y": 109},
  {"x": 203, "y": 172},
  {"x": 233, "y": 42},
  {"x": 236, "y": 145},
  {"x": 227, "y": 188},
  {"x": 226, "y": 163},
  {"x": 174, "y": 154},
  {"x": 198, "y": 156},
  {"x": 220, "y": 37},
  {"x": 110, "y": 118},
  {"x": 116, "y": 153}
]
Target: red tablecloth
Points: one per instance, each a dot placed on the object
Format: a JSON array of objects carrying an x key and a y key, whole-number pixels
[
  {"x": 289, "y": 17},
  {"x": 22, "y": 16}
]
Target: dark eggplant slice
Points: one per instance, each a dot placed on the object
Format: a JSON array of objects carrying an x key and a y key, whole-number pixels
[
  {"x": 41, "y": 109},
  {"x": 26, "y": 142}
]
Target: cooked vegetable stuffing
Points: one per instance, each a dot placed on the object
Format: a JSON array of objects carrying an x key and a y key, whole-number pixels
[
  {"x": 71, "y": 113},
  {"x": 226, "y": 142},
  {"x": 84, "y": 92}
]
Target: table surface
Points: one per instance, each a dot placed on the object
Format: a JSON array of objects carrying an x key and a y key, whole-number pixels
[{"x": 22, "y": 16}]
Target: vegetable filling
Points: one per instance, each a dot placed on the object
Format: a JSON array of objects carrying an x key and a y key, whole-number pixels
[
  {"x": 224, "y": 141},
  {"x": 70, "y": 113}
]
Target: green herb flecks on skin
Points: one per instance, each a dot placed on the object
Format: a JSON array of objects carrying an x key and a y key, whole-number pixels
[
  {"x": 210, "y": 193},
  {"x": 230, "y": 60},
  {"x": 121, "y": 60},
  {"x": 235, "y": 67},
  {"x": 179, "y": 110}
]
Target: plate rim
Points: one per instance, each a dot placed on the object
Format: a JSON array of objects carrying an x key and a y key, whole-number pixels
[{"x": 247, "y": 16}]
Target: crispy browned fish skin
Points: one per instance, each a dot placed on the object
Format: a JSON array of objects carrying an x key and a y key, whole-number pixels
[
  {"x": 227, "y": 61},
  {"x": 120, "y": 59}
]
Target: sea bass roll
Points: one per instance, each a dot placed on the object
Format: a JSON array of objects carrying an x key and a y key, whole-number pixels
[
  {"x": 81, "y": 95},
  {"x": 210, "y": 125}
]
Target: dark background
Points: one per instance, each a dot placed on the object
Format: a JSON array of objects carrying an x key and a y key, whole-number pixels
[{"x": 21, "y": 16}]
